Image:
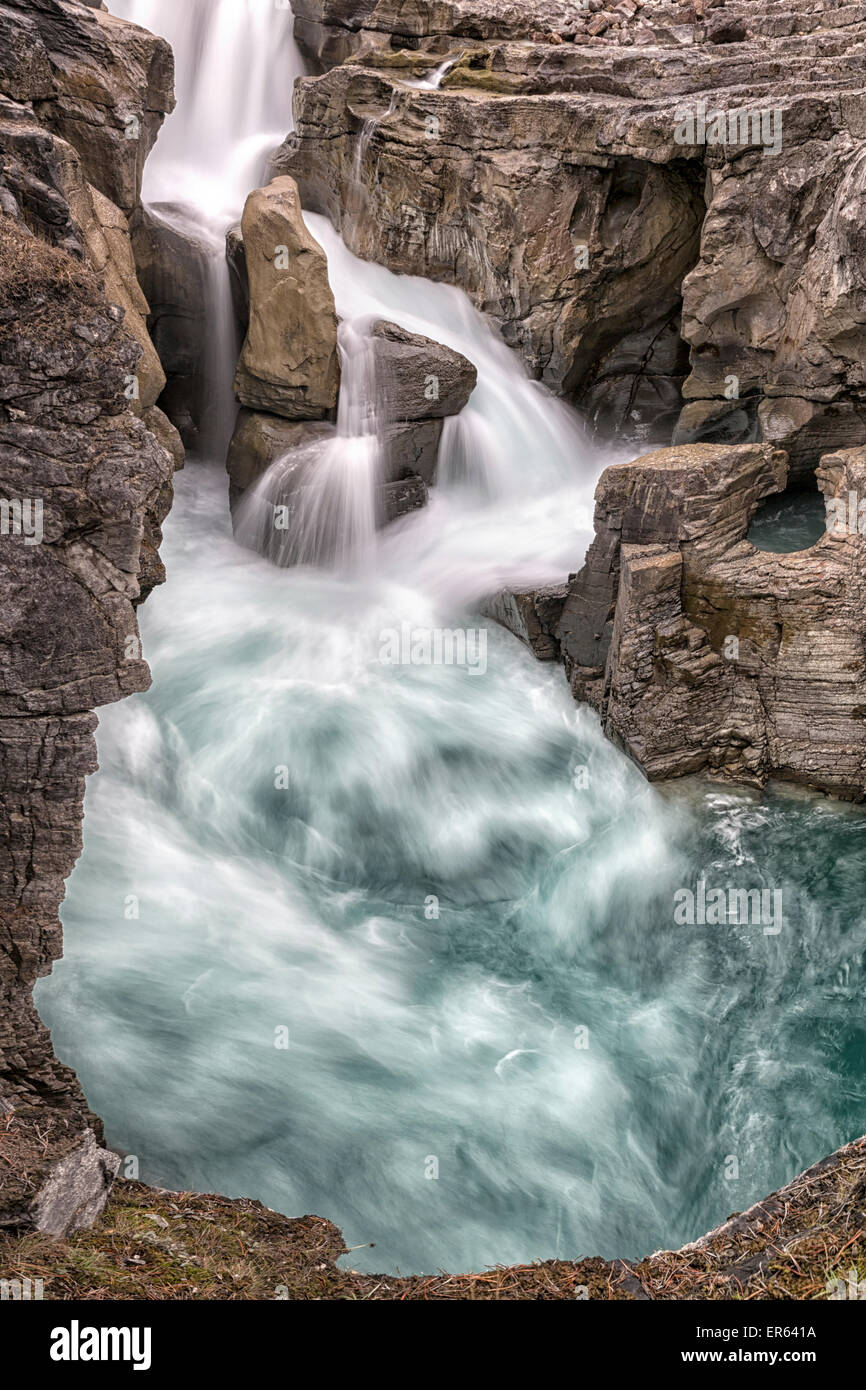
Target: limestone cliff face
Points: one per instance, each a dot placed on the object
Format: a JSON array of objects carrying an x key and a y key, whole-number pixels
[
  {"x": 85, "y": 480},
  {"x": 566, "y": 174}
]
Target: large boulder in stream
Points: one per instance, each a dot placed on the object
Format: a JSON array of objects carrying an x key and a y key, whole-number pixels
[
  {"x": 419, "y": 378},
  {"x": 419, "y": 383},
  {"x": 260, "y": 439},
  {"x": 289, "y": 362}
]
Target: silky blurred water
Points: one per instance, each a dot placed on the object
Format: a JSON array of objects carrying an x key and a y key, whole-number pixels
[
  {"x": 793, "y": 521},
  {"x": 413, "y": 1038}
]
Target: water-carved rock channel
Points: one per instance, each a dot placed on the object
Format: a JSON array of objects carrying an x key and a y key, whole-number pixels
[{"x": 482, "y": 869}]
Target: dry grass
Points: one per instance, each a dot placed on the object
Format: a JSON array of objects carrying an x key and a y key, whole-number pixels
[
  {"x": 30, "y": 269},
  {"x": 152, "y": 1244}
]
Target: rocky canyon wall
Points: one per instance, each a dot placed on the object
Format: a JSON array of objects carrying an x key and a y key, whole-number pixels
[
  {"x": 659, "y": 204},
  {"x": 672, "y": 285},
  {"x": 86, "y": 461}
]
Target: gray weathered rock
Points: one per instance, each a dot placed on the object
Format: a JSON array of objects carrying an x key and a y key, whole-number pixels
[
  {"x": 99, "y": 83},
  {"x": 75, "y": 1189},
  {"x": 87, "y": 485},
  {"x": 418, "y": 378},
  {"x": 418, "y": 383}
]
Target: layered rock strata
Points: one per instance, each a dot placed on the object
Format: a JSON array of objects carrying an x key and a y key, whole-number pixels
[{"x": 700, "y": 652}]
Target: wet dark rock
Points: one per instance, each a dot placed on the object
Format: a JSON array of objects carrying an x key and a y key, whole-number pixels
[
  {"x": 239, "y": 279},
  {"x": 173, "y": 262},
  {"x": 401, "y": 498}
]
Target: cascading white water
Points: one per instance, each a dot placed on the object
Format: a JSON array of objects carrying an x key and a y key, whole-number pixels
[
  {"x": 433, "y": 79},
  {"x": 235, "y": 66},
  {"x": 395, "y": 943},
  {"x": 317, "y": 504},
  {"x": 516, "y": 474}
]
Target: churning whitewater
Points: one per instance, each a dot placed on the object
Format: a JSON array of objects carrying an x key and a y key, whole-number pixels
[{"x": 395, "y": 943}]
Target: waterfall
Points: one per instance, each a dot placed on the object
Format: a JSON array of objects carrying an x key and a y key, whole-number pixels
[
  {"x": 438, "y": 885},
  {"x": 235, "y": 66},
  {"x": 432, "y": 80},
  {"x": 515, "y": 458},
  {"x": 317, "y": 504}
]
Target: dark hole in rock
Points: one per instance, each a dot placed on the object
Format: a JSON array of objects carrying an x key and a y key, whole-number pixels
[{"x": 793, "y": 520}]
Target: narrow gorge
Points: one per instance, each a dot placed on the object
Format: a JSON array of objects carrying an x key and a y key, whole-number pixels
[{"x": 433, "y": 439}]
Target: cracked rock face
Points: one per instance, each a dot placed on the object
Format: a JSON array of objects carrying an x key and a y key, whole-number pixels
[
  {"x": 674, "y": 277},
  {"x": 85, "y": 481}
]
